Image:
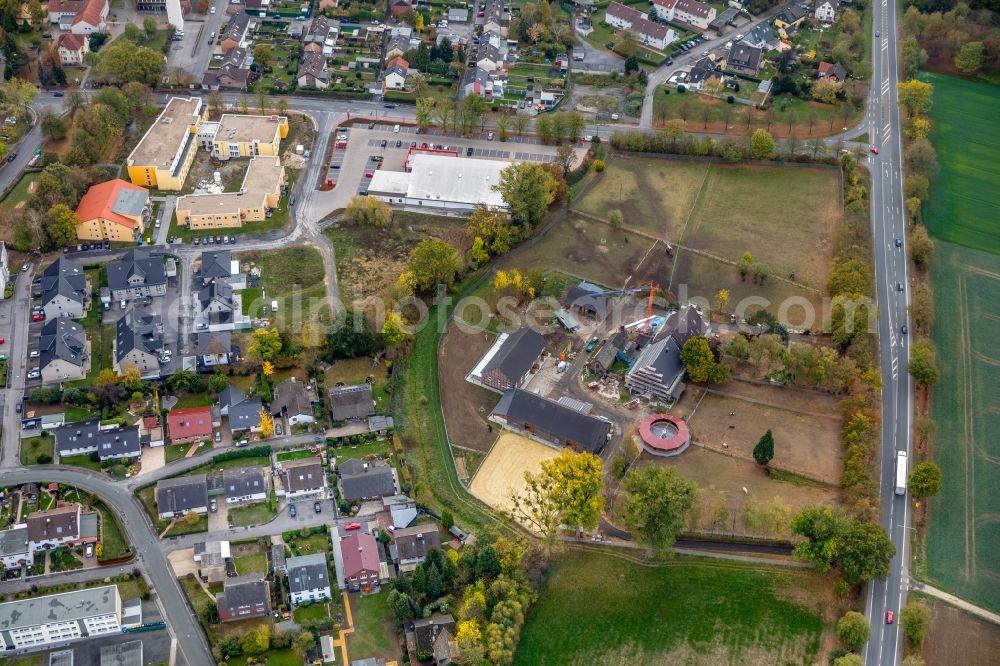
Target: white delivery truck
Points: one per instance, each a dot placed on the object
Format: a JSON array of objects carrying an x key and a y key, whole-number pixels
[{"x": 901, "y": 472}]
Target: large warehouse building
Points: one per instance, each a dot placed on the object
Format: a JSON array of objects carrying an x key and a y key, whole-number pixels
[{"x": 441, "y": 181}]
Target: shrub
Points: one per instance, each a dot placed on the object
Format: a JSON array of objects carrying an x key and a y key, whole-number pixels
[
  {"x": 598, "y": 166},
  {"x": 43, "y": 459},
  {"x": 730, "y": 100}
]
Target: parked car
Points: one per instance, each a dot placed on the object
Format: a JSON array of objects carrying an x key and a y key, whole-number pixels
[
  {"x": 218, "y": 435},
  {"x": 89, "y": 550},
  {"x": 18, "y": 407},
  {"x": 122, "y": 305},
  {"x": 352, "y": 526},
  {"x": 396, "y": 129},
  {"x": 34, "y": 374},
  {"x": 399, "y": 143},
  {"x": 384, "y": 143},
  {"x": 590, "y": 345},
  {"x": 34, "y": 354},
  {"x": 468, "y": 151},
  {"x": 37, "y": 316},
  {"x": 213, "y": 505},
  {"x": 317, "y": 506},
  {"x": 291, "y": 510},
  {"x": 371, "y": 125}
]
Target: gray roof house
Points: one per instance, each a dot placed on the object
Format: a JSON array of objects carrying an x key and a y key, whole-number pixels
[
  {"x": 14, "y": 548},
  {"x": 588, "y": 299},
  {"x": 243, "y": 412},
  {"x": 550, "y": 421},
  {"x": 137, "y": 274},
  {"x": 64, "y": 289},
  {"x": 216, "y": 265},
  {"x": 361, "y": 480},
  {"x": 62, "y": 348},
  {"x": 180, "y": 495},
  {"x": 305, "y": 476},
  {"x": 351, "y": 403},
  {"x": 744, "y": 59},
  {"x": 244, "y": 597},
  {"x": 435, "y": 635},
  {"x": 216, "y": 302},
  {"x": 138, "y": 341},
  {"x": 85, "y": 437},
  {"x": 762, "y": 37},
  {"x": 658, "y": 371},
  {"x": 293, "y": 399},
  {"x": 458, "y": 15},
  {"x": 278, "y": 560},
  {"x": 214, "y": 348},
  {"x": 308, "y": 578},
  {"x": 510, "y": 365},
  {"x": 312, "y": 72},
  {"x": 244, "y": 484},
  {"x": 411, "y": 545}
]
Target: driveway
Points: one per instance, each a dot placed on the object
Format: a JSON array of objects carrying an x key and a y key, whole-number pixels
[
  {"x": 153, "y": 458},
  {"x": 218, "y": 521}
]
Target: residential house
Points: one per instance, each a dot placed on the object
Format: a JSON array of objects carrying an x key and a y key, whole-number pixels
[
  {"x": 550, "y": 422},
  {"x": 151, "y": 431},
  {"x": 658, "y": 371},
  {"x": 411, "y": 545},
  {"x": 351, "y": 403},
  {"x": 396, "y": 73},
  {"x": 189, "y": 424},
  {"x": 56, "y": 619},
  {"x": 312, "y": 71},
  {"x": 308, "y": 578},
  {"x": 86, "y": 437},
  {"x": 63, "y": 353},
  {"x": 218, "y": 265},
  {"x": 229, "y": 77},
  {"x": 139, "y": 273},
  {"x": 212, "y": 558},
  {"x": 691, "y": 12},
  {"x": 215, "y": 348},
  {"x": 458, "y": 15},
  {"x": 138, "y": 343},
  {"x": 244, "y": 484},
  {"x": 114, "y": 210},
  {"x": 180, "y": 495},
  {"x": 362, "y": 566},
  {"x": 509, "y": 363},
  {"x": 762, "y": 37},
  {"x": 65, "y": 291},
  {"x": 485, "y": 83},
  {"x": 62, "y": 12},
  {"x": 15, "y": 549},
  {"x": 279, "y": 562},
  {"x": 259, "y": 193},
  {"x": 434, "y": 635},
  {"x": 72, "y": 48},
  {"x": 216, "y": 302},
  {"x": 398, "y": 8},
  {"x": 305, "y": 476},
  {"x": 650, "y": 33},
  {"x": 396, "y": 46},
  {"x": 92, "y": 18},
  {"x": 56, "y": 527},
  {"x": 318, "y": 31},
  {"x": 244, "y": 597},
  {"x": 293, "y": 399},
  {"x": 365, "y": 480},
  {"x": 496, "y": 17},
  {"x": 605, "y": 357},
  {"x": 826, "y": 12},
  {"x": 788, "y": 20},
  {"x": 489, "y": 58},
  {"x": 236, "y": 32},
  {"x": 832, "y": 72},
  {"x": 701, "y": 73},
  {"x": 243, "y": 412},
  {"x": 744, "y": 59}
]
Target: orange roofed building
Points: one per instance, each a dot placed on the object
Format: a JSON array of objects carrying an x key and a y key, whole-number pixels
[{"x": 115, "y": 210}]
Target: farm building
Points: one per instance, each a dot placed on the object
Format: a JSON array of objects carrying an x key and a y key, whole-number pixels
[
  {"x": 552, "y": 422},
  {"x": 510, "y": 360}
]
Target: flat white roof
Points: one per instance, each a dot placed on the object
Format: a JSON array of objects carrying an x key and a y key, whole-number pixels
[
  {"x": 445, "y": 178},
  {"x": 63, "y": 607},
  {"x": 477, "y": 372}
]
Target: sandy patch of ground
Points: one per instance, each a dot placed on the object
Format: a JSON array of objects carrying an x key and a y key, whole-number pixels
[{"x": 502, "y": 473}]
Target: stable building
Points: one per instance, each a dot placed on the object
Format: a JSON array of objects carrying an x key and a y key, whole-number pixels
[
  {"x": 550, "y": 422},
  {"x": 510, "y": 362}
]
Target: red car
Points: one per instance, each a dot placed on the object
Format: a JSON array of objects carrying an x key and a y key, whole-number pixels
[
  {"x": 37, "y": 316},
  {"x": 874, "y": 150},
  {"x": 352, "y": 526},
  {"x": 3, "y": 340},
  {"x": 368, "y": 174},
  {"x": 888, "y": 617}
]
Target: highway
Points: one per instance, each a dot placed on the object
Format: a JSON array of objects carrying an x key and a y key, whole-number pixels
[{"x": 888, "y": 224}]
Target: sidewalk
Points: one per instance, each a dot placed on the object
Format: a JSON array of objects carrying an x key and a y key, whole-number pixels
[{"x": 982, "y": 613}]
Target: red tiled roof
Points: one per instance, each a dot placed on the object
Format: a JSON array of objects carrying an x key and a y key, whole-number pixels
[
  {"x": 71, "y": 42},
  {"x": 91, "y": 13},
  {"x": 66, "y": 6},
  {"x": 402, "y": 62},
  {"x": 189, "y": 422},
  {"x": 360, "y": 554},
  {"x": 100, "y": 198}
]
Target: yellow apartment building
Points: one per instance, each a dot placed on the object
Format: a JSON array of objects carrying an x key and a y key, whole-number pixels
[
  {"x": 248, "y": 136},
  {"x": 114, "y": 210},
  {"x": 260, "y": 192},
  {"x": 164, "y": 155}
]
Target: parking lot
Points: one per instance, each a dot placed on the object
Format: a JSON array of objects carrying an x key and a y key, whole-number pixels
[{"x": 365, "y": 151}]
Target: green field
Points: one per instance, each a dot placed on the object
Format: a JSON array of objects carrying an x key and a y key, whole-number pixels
[
  {"x": 598, "y": 609},
  {"x": 965, "y": 200},
  {"x": 255, "y": 514},
  {"x": 371, "y": 624},
  {"x": 963, "y": 535},
  {"x": 255, "y": 563},
  {"x": 33, "y": 447},
  {"x": 295, "y": 278}
]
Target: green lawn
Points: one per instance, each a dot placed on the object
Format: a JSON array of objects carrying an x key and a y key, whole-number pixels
[
  {"x": 174, "y": 452},
  {"x": 147, "y": 497},
  {"x": 312, "y": 613},
  {"x": 314, "y": 543},
  {"x": 286, "y": 657},
  {"x": 372, "y": 627},
  {"x": 193, "y": 400},
  {"x": 19, "y": 192},
  {"x": 295, "y": 277},
  {"x": 688, "y": 612},
  {"x": 295, "y": 455},
  {"x": 255, "y": 514},
  {"x": 115, "y": 545},
  {"x": 347, "y": 452},
  {"x": 256, "y": 563},
  {"x": 81, "y": 461},
  {"x": 74, "y": 413},
  {"x": 965, "y": 199},
  {"x": 33, "y": 447},
  {"x": 181, "y": 527},
  {"x": 101, "y": 336}
]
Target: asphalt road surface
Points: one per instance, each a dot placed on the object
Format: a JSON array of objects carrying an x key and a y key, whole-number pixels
[{"x": 892, "y": 287}]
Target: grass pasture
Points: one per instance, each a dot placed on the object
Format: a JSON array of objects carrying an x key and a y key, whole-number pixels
[
  {"x": 373, "y": 633},
  {"x": 965, "y": 200},
  {"x": 963, "y": 535},
  {"x": 294, "y": 277},
  {"x": 686, "y": 611},
  {"x": 784, "y": 217}
]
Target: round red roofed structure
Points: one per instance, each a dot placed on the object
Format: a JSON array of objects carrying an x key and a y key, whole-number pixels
[{"x": 664, "y": 435}]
